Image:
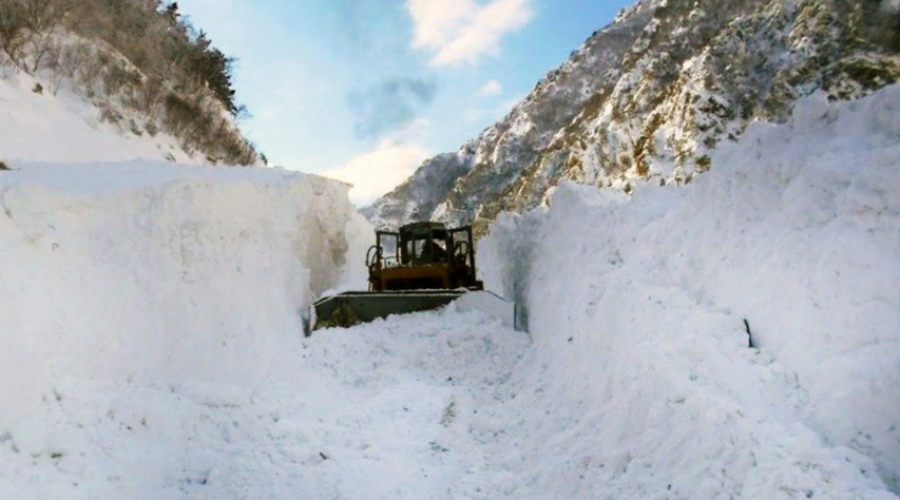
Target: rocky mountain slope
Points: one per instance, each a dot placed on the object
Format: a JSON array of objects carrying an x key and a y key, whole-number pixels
[
  {"x": 139, "y": 65},
  {"x": 645, "y": 99}
]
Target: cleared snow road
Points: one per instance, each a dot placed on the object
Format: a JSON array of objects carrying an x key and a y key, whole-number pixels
[
  {"x": 443, "y": 405},
  {"x": 385, "y": 410}
]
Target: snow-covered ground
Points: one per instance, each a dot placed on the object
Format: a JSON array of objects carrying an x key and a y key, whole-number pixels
[
  {"x": 64, "y": 127},
  {"x": 152, "y": 347}
]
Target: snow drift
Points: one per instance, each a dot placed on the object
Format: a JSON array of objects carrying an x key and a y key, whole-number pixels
[
  {"x": 642, "y": 359},
  {"x": 129, "y": 275}
]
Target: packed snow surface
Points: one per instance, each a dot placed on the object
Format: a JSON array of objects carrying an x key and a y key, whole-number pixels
[{"x": 152, "y": 344}]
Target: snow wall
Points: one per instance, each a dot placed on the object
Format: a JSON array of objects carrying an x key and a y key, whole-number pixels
[
  {"x": 637, "y": 310},
  {"x": 137, "y": 274}
]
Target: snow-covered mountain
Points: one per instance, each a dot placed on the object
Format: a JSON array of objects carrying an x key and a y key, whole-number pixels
[
  {"x": 136, "y": 72},
  {"x": 646, "y": 99}
]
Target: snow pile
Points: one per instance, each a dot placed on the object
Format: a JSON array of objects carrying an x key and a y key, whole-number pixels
[
  {"x": 641, "y": 382},
  {"x": 124, "y": 285}
]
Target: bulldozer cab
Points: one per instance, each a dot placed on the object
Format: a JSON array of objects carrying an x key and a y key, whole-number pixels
[
  {"x": 423, "y": 244},
  {"x": 422, "y": 255}
]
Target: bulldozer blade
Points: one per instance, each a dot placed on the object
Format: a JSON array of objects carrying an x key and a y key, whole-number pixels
[{"x": 352, "y": 308}]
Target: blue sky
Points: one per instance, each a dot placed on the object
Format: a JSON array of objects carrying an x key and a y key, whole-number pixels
[{"x": 365, "y": 90}]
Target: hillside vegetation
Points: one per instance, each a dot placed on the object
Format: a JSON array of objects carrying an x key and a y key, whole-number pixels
[{"x": 139, "y": 61}]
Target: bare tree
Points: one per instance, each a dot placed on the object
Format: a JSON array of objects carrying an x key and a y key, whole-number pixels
[
  {"x": 13, "y": 33},
  {"x": 43, "y": 17},
  {"x": 70, "y": 60},
  {"x": 40, "y": 15}
]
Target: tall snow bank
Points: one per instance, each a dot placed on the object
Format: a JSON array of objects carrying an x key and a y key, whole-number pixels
[
  {"x": 637, "y": 310},
  {"x": 138, "y": 273}
]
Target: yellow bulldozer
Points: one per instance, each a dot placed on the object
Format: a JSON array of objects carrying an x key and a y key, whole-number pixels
[{"x": 420, "y": 267}]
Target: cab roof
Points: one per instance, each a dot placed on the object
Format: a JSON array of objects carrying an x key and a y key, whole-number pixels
[{"x": 423, "y": 229}]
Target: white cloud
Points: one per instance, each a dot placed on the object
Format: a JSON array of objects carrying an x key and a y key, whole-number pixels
[
  {"x": 490, "y": 89},
  {"x": 462, "y": 31},
  {"x": 377, "y": 172}
]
